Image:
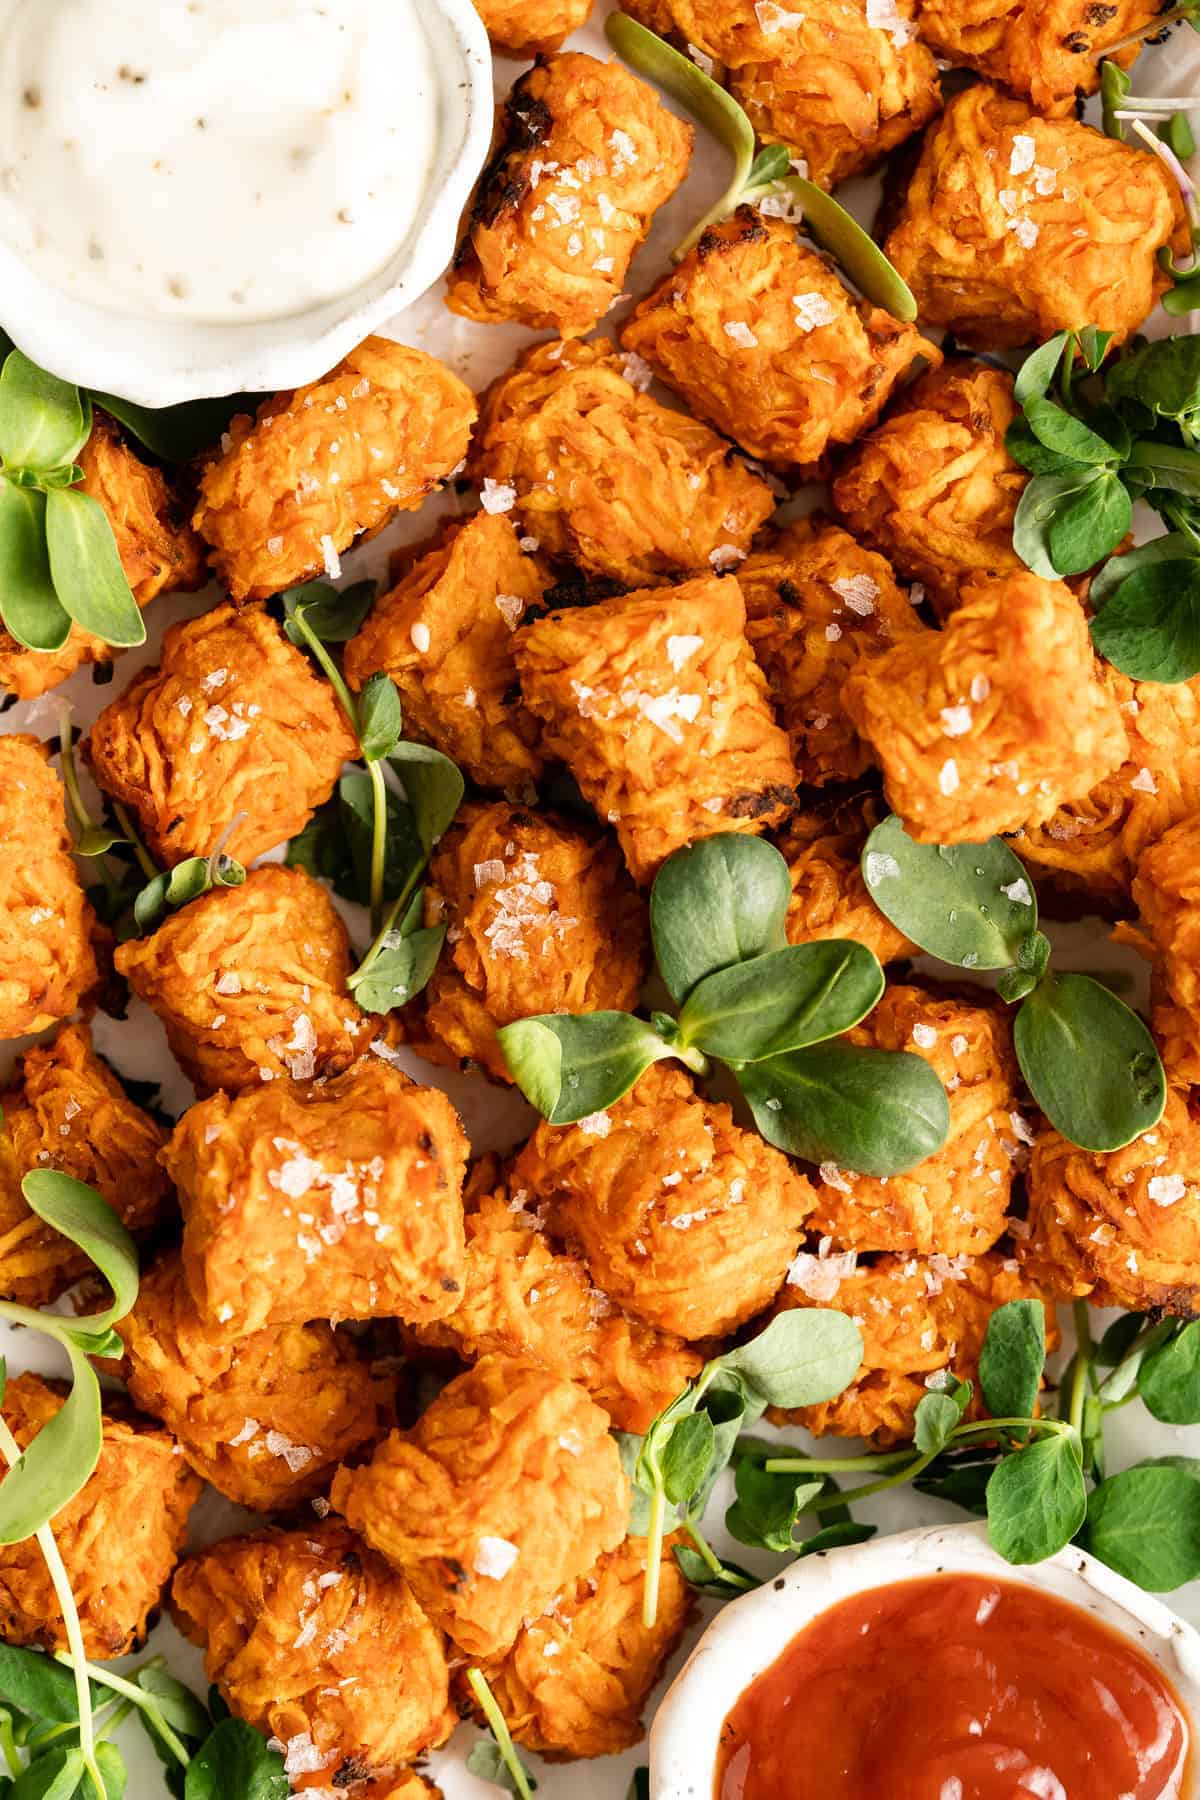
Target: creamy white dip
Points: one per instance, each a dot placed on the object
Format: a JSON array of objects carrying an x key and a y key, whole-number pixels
[{"x": 213, "y": 160}]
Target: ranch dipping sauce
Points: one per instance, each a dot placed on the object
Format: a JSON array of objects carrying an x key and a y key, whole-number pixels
[{"x": 213, "y": 160}]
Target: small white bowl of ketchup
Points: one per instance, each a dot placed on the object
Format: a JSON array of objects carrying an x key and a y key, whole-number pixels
[{"x": 925, "y": 1667}]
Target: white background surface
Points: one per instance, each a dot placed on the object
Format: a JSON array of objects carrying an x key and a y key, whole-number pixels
[{"x": 494, "y": 1117}]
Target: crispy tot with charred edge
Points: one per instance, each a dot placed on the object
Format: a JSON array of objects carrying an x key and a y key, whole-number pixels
[
  {"x": 993, "y": 722},
  {"x": 684, "y": 1219},
  {"x": 577, "y": 1679},
  {"x": 525, "y": 1296},
  {"x": 462, "y": 597},
  {"x": 1049, "y": 50},
  {"x": 823, "y": 850},
  {"x": 250, "y": 983},
  {"x": 760, "y": 338},
  {"x": 817, "y": 605},
  {"x": 1167, "y": 891},
  {"x": 658, "y": 708},
  {"x": 1122, "y": 1228},
  {"x": 954, "y": 1203},
  {"x": 507, "y": 1488},
  {"x": 1015, "y": 227},
  {"x": 266, "y": 1418},
  {"x": 542, "y": 918},
  {"x": 233, "y": 720},
  {"x": 830, "y": 85},
  {"x": 158, "y": 553},
  {"x": 340, "y": 1198},
  {"x": 315, "y": 468},
  {"x": 1090, "y": 848},
  {"x": 587, "y": 155},
  {"x": 47, "y": 959},
  {"x": 67, "y": 1110},
  {"x": 525, "y": 28},
  {"x": 918, "y": 1316},
  {"x": 933, "y": 486},
  {"x": 606, "y": 478},
  {"x": 311, "y": 1638},
  {"x": 120, "y": 1537}
]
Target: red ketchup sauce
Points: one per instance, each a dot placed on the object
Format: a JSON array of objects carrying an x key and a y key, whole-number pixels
[{"x": 956, "y": 1687}]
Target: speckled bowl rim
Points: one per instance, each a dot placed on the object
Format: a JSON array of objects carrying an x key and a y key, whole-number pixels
[
  {"x": 156, "y": 362},
  {"x": 749, "y": 1634}
]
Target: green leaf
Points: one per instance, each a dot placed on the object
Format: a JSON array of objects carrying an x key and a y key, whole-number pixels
[
  {"x": 879, "y": 1112},
  {"x": 333, "y": 615},
  {"x": 111, "y": 1765},
  {"x": 639, "y": 1785},
  {"x": 856, "y": 252},
  {"x": 487, "y": 1762},
  {"x": 730, "y": 1580},
  {"x": 719, "y": 902},
  {"x": 58, "y": 1461},
  {"x": 1149, "y": 628},
  {"x": 1183, "y": 297},
  {"x": 629, "y": 1449},
  {"x": 86, "y": 1218},
  {"x": 686, "y": 1457},
  {"x": 187, "y": 881},
  {"x": 782, "y": 1000},
  {"x": 1012, "y": 1359},
  {"x": 772, "y": 163},
  {"x": 1174, "y": 546},
  {"x": 29, "y": 606},
  {"x": 1115, "y": 84},
  {"x": 1163, "y": 376},
  {"x": 969, "y": 904},
  {"x": 1145, "y": 1524},
  {"x": 1036, "y": 1500},
  {"x": 177, "y": 433},
  {"x": 803, "y": 1357},
  {"x": 400, "y": 973},
  {"x": 86, "y": 569},
  {"x": 1071, "y": 1023},
  {"x": 961, "y": 1477},
  {"x": 1040, "y": 367},
  {"x": 1043, "y": 499},
  {"x": 1090, "y": 526},
  {"x": 835, "y": 1537},
  {"x": 95, "y": 840},
  {"x": 570, "y": 1067},
  {"x": 1093, "y": 345},
  {"x": 1063, "y": 433},
  {"x": 150, "y": 903},
  {"x": 433, "y": 787},
  {"x": 54, "y": 1776},
  {"x": 380, "y": 719},
  {"x": 44, "y": 422},
  {"x": 1170, "y": 1379},
  {"x": 181, "y": 1709},
  {"x": 355, "y": 815},
  {"x": 767, "y": 1507},
  {"x": 1032, "y": 454},
  {"x": 39, "y": 1686},
  {"x": 938, "y": 1414},
  {"x": 235, "y": 1760}
]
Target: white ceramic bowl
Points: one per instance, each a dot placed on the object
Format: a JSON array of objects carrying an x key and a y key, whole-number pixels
[
  {"x": 750, "y": 1634},
  {"x": 158, "y": 362}
]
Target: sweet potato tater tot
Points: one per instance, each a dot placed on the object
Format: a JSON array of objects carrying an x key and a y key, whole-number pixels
[
  {"x": 1048, "y": 50},
  {"x": 315, "y": 468},
  {"x": 818, "y": 605},
  {"x": 588, "y": 154},
  {"x": 840, "y": 82},
  {"x": 525, "y": 28},
  {"x": 761, "y": 338},
  {"x": 233, "y": 720},
  {"x": 507, "y": 1488},
  {"x": 158, "y": 552},
  {"x": 331, "y": 1199},
  {"x": 526, "y": 1296},
  {"x": 657, "y": 706},
  {"x": 1167, "y": 891},
  {"x": 250, "y": 983},
  {"x": 47, "y": 963},
  {"x": 933, "y": 486},
  {"x": 542, "y": 918},
  {"x": 1015, "y": 226},
  {"x": 994, "y": 722},
  {"x": 67, "y": 1110},
  {"x": 918, "y": 1315},
  {"x": 829, "y": 895},
  {"x": 684, "y": 1219},
  {"x": 316, "y": 1642},
  {"x": 444, "y": 635},
  {"x": 602, "y": 476},
  {"x": 120, "y": 1537},
  {"x": 265, "y": 1418}
]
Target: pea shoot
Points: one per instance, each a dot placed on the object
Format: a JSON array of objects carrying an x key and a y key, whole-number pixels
[
  {"x": 495, "y": 1758},
  {"x": 763, "y": 1007},
  {"x": 763, "y": 180}
]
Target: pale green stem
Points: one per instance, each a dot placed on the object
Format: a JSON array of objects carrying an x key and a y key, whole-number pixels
[
  {"x": 144, "y": 860},
  {"x": 139, "y": 1698},
  {"x": 654, "y": 1539},
  {"x": 378, "y": 843},
  {"x": 1083, "y": 1365},
  {"x": 394, "y": 913},
  {"x": 710, "y": 1558},
  {"x": 499, "y": 1730}
]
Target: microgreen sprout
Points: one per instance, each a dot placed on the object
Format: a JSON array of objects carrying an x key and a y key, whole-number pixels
[
  {"x": 496, "y": 1758},
  {"x": 763, "y": 1007}
]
